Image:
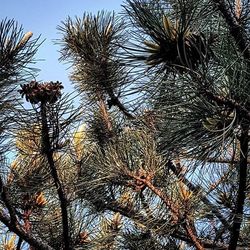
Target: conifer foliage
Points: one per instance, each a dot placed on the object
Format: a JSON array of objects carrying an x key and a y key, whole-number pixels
[{"x": 155, "y": 154}]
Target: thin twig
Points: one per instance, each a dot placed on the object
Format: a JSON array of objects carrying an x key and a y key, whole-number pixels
[{"x": 115, "y": 101}]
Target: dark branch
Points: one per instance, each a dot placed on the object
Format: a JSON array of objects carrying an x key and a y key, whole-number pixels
[
  {"x": 47, "y": 150},
  {"x": 19, "y": 243},
  {"x": 236, "y": 30},
  {"x": 230, "y": 103},
  {"x": 6, "y": 199},
  {"x": 114, "y": 100},
  {"x": 29, "y": 238},
  {"x": 241, "y": 195}
]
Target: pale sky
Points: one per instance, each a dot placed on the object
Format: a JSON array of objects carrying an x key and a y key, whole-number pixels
[{"x": 42, "y": 18}]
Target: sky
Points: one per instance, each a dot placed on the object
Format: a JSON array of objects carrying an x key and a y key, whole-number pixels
[{"x": 42, "y": 18}]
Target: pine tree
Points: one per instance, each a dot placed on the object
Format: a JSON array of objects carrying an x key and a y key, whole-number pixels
[{"x": 155, "y": 156}]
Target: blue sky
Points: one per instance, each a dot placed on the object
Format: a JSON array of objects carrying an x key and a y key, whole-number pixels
[{"x": 42, "y": 17}]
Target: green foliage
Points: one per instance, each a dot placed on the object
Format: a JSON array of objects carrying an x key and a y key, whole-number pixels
[{"x": 91, "y": 43}]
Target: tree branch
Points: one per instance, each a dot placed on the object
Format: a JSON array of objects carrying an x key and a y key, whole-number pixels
[
  {"x": 29, "y": 238},
  {"x": 173, "y": 208},
  {"x": 168, "y": 202},
  {"x": 114, "y": 100},
  {"x": 230, "y": 103},
  {"x": 192, "y": 236},
  {"x": 241, "y": 195},
  {"x": 19, "y": 243},
  {"x": 131, "y": 214},
  {"x": 236, "y": 30},
  {"x": 196, "y": 190},
  {"x": 6, "y": 199},
  {"x": 47, "y": 150}
]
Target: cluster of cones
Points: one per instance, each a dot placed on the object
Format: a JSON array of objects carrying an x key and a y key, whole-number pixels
[{"x": 48, "y": 92}]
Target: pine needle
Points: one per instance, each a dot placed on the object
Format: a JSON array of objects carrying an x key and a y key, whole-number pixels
[{"x": 238, "y": 8}]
